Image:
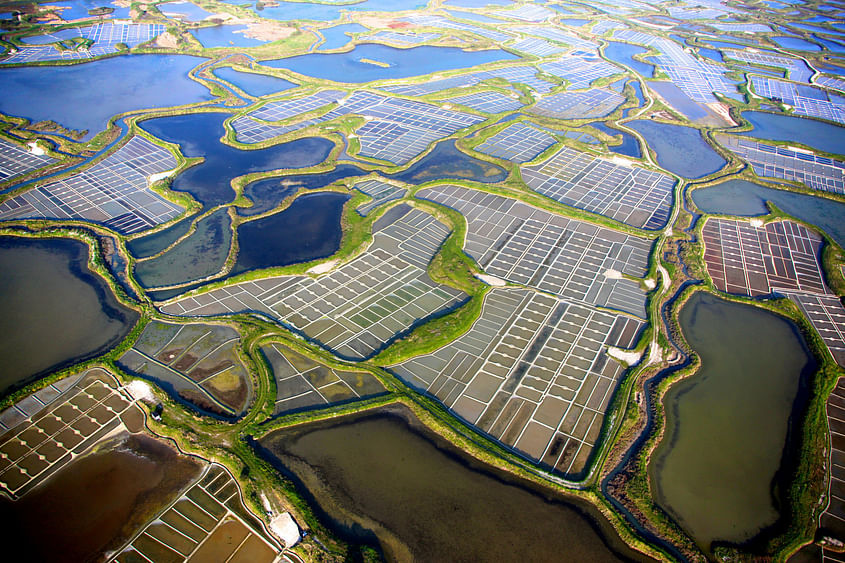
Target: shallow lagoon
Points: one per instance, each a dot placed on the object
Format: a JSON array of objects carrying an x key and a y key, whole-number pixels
[
  {"x": 381, "y": 478},
  {"x": 416, "y": 61},
  {"x": 225, "y": 36},
  {"x": 270, "y": 192},
  {"x": 253, "y": 84},
  {"x": 796, "y": 43},
  {"x": 287, "y": 11},
  {"x": 817, "y": 134},
  {"x": 336, "y": 37},
  {"x": 79, "y": 9},
  {"x": 197, "y": 256},
  {"x": 93, "y": 92},
  {"x": 307, "y": 230},
  {"x": 679, "y": 149},
  {"x": 53, "y": 310},
  {"x": 624, "y": 53},
  {"x": 209, "y": 182},
  {"x": 740, "y": 197},
  {"x": 446, "y": 161},
  {"x": 727, "y": 425},
  {"x": 630, "y": 145},
  {"x": 189, "y": 10}
]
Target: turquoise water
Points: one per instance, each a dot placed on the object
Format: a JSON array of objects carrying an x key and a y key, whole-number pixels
[
  {"x": 254, "y": 84},
  {"x": 225, "y": 36},
  {"x": 624, "y": 52},
  {"x": 795, "y": 43},
  {"x": 817, "y": 134},
  {"x": 740, "y": 197},
  {"x": 209, "y": 182},
  {"x": 679, "y": 149},
  {"x": 198, "y": 256},
  {"x": 92, "y": 93},
  {"x": 346, "y": 67},
  {"x": 336, "y": 37}
]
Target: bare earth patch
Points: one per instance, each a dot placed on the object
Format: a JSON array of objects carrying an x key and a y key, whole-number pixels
[
  {"x": 491, "y": 280},
  {"x": 268, "y": 31},
  {"x": 322, "y": 268}
]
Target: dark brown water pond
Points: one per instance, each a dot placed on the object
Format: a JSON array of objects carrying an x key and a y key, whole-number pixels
[
  {"x": 382, "y": 478},
  {"x": 94, "y": 504}
]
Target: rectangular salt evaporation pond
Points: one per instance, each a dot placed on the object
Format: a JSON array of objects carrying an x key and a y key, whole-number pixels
[
  {"x": 630, "y": 194},
  {"x": 114, "y": 192},
  {"x": 16, "y": 160},
  {"x": 92, "y": 93},
  {"x": 198, "y": 363},
  {"x": 225, "y": 36},
  {"x": 302, "y": 383},
  {"x": 533, "y": 373},
  {"x": 748, "y": 260},
  {"x": 385, "y": 475},
  {"x": 529, "y": 246},
  {"x": 94, "y": 504},
  {"x": 357, "y": 309},
  {"x": 208, "y": 522},
  {"x": 401, "y": 63}
]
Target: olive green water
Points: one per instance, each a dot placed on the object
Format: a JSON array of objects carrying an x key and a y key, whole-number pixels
[
  {"x": 726, "y": 426},
  {"x": 53, "y": 310},
  {"x": 384, "y": 475},
  {"x": 95, "y": 504}
]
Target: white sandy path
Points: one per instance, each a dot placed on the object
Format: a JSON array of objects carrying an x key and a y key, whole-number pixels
[
  {"x": 491, "y": 280},
  {"x": 322, "y": 268}
]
